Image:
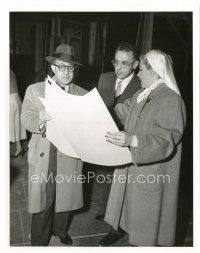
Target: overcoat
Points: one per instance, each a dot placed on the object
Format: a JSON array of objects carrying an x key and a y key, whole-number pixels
[
  {"x": 68, "y": 190},
  {"x": 145, "y": 203}
]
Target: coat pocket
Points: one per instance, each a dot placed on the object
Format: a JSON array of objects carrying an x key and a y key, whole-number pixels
[{"x": 149, "y": 178}]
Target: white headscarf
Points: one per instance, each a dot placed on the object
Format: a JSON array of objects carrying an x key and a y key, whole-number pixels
[{"x": 162, "y": 65}]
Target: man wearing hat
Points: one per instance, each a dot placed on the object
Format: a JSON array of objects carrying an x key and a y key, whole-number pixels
[{"x": 50, "y": 200}]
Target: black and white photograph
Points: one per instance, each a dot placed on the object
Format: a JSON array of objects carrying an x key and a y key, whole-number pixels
[
  {"x": 102, "y": 127},
  {"x": 114, "y": 168}
]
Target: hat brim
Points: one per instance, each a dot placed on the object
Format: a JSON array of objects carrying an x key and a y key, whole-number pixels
[{"x": 51, "y": 59}]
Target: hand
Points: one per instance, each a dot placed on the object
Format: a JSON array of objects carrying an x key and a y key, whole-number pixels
[
  {"x": 121, "y": 138},
  {"x": 44, "y": 117}
]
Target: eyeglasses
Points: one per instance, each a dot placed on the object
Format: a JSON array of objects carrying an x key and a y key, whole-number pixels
[
  {"x": 124, "y": 64},
  {"x": 62, "y": 68}
]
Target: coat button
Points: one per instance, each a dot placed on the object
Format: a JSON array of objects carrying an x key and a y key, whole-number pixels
[
  {"x": 43, "y": 135},
  {"x": 42, "y": 154}
]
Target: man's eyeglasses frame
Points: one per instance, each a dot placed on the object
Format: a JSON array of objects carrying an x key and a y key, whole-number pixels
[
  {"x": 62, "y": 68},
  {"x": 124, "y": 64}
]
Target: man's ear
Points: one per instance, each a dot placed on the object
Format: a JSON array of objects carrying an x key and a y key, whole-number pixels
[
  {"x": 53, "y": 68},
  {"x": 135, "y": 64}
]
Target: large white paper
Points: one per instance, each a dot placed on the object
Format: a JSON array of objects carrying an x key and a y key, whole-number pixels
[
  {"x": 53, "y": 131},
  {"x": 79, "y": 125}
]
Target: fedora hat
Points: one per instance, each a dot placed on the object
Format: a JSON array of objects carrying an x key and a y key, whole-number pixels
[{"x": 64, "y": 53}]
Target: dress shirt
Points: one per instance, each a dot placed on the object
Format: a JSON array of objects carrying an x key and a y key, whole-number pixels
[{"x": 124, "y": 83}]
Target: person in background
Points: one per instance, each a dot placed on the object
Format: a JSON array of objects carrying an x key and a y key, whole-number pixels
[
  {"x": 51, "y": 202},
  {"x": 114, "y": 88},
  {"x": 145, "y": 204},
  {"x": 17, "y": 131}
]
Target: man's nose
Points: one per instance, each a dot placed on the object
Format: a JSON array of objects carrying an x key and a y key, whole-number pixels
[
  {"x": 66, "y": 70},
  {"x": 118, "y": 66}
]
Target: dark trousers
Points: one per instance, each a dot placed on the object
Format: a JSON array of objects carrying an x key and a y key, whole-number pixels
[
  {"x": 47, "y": 222},
  {"x": 104, "y": 185},
  {"x": 107, "y": 173}
]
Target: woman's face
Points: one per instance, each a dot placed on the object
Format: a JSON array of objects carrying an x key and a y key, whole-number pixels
[{"x": 145, "y": 76}]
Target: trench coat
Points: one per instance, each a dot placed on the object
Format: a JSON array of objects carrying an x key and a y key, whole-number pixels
[
  {"x": 145, "y": 203},
  {"x": 69, "y": 194}
]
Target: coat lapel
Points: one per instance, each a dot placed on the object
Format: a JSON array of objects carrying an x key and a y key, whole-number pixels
[
  {"x": 41, "y": 90},
  {"x": 133, "y": 86},
  {"x": 110, "y": 91}
]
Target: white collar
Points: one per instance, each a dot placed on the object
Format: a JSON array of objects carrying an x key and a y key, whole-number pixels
[
  {"x": 124, "y": 81},
  {"x": 145, "y": 93}
]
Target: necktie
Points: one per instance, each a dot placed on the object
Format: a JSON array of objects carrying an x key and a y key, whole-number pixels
[
  {"x": 66, "y": 89},
  {"x": 118, "y": 90}
]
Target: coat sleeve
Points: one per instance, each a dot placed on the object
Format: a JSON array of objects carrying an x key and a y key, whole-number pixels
[
  {"x": 30, "y": 114},
  {"x": 167, "y": 131},
  {"x": 122, "y": 110}
]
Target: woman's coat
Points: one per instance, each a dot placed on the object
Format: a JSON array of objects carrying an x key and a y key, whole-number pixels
[{"x": 145, "y": 204}]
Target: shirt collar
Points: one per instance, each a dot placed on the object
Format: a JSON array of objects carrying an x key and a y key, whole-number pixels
[
  {"x": 124, "y": 81},
  {"x": 145, "y": 93}
]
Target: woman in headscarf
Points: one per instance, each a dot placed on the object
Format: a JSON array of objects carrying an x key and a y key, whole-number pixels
[{"x": 144, "y": 204}]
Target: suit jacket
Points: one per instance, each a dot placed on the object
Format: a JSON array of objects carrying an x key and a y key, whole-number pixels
[
  {"x": 147, "y": 209},
  {"x": 106, "y": 88},
  {"x": 68, "y": 193}
]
